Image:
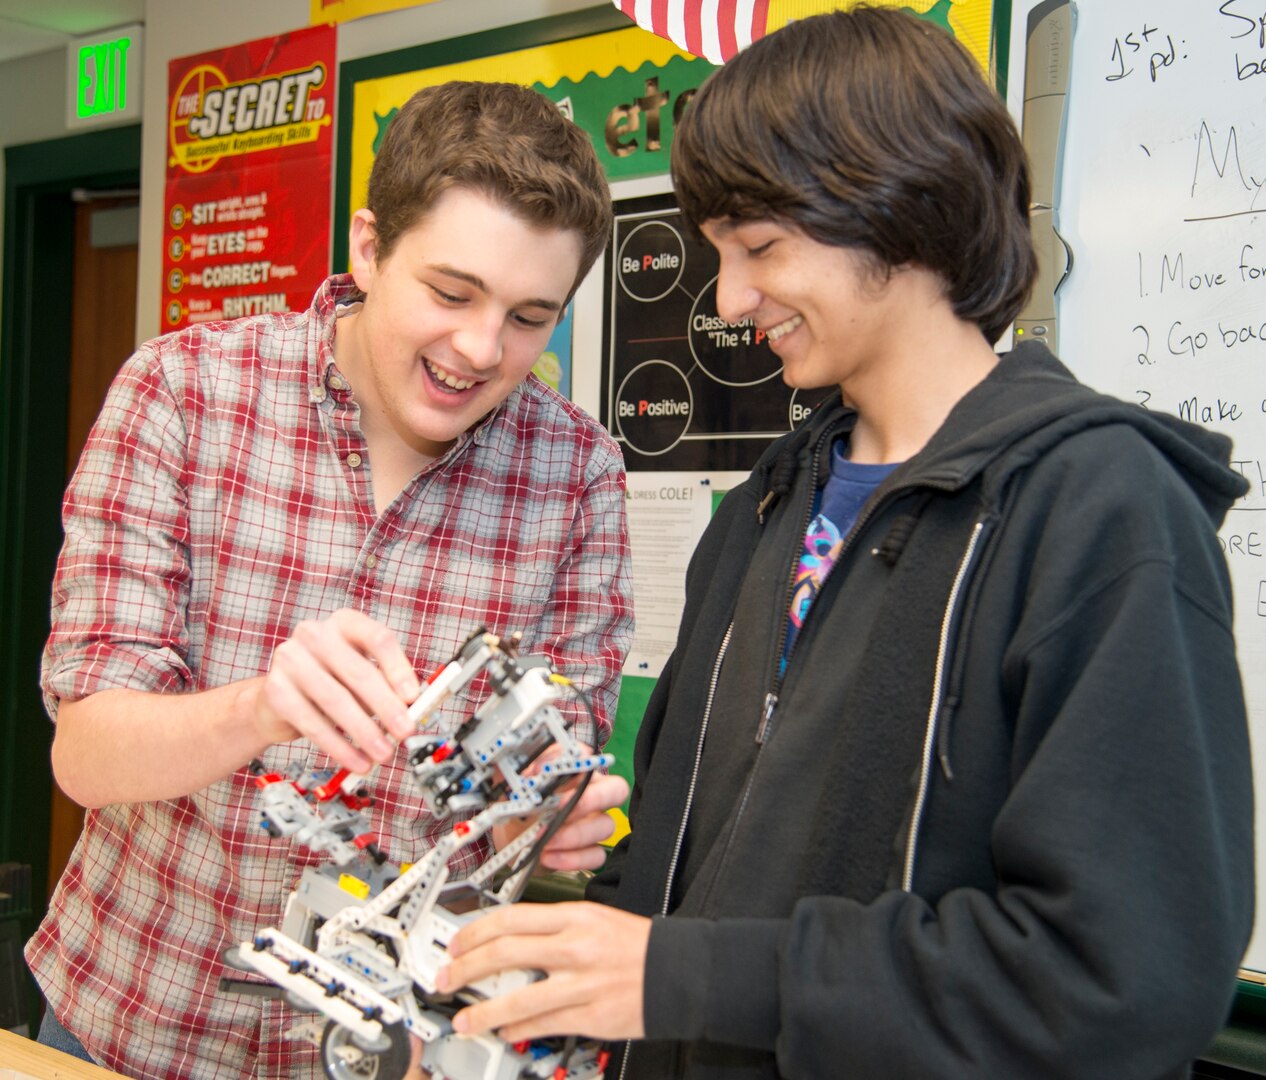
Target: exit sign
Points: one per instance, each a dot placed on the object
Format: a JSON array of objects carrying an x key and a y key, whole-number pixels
[{"x": 103, "y": 77}]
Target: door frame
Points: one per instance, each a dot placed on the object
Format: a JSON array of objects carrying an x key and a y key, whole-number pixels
[{"x": 35, "y": 322}]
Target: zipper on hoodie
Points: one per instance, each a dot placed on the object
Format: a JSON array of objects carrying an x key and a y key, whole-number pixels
[
  {"x": 775, "y": 682},
  {"x": 694, "y": 771},
  {"x": 765, "y": 729},
  {"x": 948, "y": 621},
  {"x": 690, "y": 798},
  {"x": 772, "y": 695}
]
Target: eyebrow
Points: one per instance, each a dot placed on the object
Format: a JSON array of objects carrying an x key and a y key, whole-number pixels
[
  {"x": 727, "y": 225},
  {"x": 478, "y": 282}
]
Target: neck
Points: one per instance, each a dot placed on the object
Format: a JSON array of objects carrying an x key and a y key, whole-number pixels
[
  {"x": 903, "y": 402},
  {"x": 394, "y": 457}
]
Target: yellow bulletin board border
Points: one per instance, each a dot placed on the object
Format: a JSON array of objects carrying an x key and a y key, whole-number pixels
[
  {"x": 971, "y": 21},
  {"x": 327, "y": 12},
  {"x": 506, "y": 54}
]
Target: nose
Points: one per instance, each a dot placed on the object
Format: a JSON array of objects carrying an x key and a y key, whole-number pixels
[
  {"x": 737, "y": 297},
  {"x": 479, "y": 342}
]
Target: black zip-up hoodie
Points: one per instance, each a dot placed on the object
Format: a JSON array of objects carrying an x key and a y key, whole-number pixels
[{"x": 996, "y": 820}]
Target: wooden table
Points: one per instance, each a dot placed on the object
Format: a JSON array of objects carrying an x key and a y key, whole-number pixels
[{"x": 21, "y": 1059}]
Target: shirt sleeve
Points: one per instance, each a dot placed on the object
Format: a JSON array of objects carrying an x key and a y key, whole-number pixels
[
  {"x": 589, "y": 623},
  {"x": 121, "y": 585}
]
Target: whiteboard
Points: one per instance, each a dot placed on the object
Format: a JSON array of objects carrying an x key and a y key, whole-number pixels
[{"x": 1162, "y": 199}]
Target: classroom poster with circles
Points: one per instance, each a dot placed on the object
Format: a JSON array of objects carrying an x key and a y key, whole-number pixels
[
  {"x": 685, "y": 390},
  {"x": 692, "y": 399}
]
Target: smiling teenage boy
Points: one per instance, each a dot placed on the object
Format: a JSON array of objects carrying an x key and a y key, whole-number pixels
[
  {"x": 275, "y": 524},
  {"x": 948, "y": 774}
]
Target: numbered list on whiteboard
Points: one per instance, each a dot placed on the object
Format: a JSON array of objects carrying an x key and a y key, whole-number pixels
[
  {"x": 1165, "y": 165},
  {"x": 1164, "y": 185}
]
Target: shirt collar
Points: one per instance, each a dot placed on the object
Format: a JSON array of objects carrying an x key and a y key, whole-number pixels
[{"x": 337, "y": 296}]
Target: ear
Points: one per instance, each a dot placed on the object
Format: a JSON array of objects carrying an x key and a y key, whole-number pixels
[{"x": 362, "y": 249}]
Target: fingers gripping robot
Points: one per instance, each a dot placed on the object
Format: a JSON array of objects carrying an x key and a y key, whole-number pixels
[{"x": 362, "y": 939}]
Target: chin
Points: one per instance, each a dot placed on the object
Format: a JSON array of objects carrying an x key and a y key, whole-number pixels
[
  {"x": 799, "y": 382},
  {"x": 432, "y": 429}
]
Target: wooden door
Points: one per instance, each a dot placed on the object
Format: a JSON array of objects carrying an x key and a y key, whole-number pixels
[{"x": 103, "y": 335}]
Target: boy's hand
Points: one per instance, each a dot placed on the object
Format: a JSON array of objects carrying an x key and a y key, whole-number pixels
[
  {"x": 343, "y": 682},
  {"x": 593, "y": 957},
  {"x": 577, "y": 845}
]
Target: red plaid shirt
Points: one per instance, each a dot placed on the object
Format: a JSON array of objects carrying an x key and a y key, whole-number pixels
[{"x": 224, "y": 496}]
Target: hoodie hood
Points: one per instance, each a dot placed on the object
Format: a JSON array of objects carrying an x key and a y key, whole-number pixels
[{"x": 1027, "y": 404}]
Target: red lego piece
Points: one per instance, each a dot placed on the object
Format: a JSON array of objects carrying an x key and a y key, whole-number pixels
[
  {"x": 264, "y": 779},
  {"x": 330, "y": 788}
]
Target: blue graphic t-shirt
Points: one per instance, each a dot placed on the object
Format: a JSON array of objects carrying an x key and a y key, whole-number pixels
[{"x": 838, "y": 503}]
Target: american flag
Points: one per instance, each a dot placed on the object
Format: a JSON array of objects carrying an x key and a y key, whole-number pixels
[
  {"x": 713, "y": 29},
  {"x": 717, "y": 29}
]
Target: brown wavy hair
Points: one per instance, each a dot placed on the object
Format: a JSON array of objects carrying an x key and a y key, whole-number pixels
[
  {"x": 872, "y": 130},
  {"x": 504, "y": 140}
]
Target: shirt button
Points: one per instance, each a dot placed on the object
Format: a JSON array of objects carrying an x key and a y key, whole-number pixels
[
  {"x": 337, "y": 382},
  {"x": 371, "y": 561},
  {"x": 317, "y": 393},
  {"x": 353, "y": 460}
]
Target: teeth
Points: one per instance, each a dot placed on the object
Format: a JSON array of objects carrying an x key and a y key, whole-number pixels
[
  {"x": 451, "y": 381},
  {"x": 775, "y": 332}
]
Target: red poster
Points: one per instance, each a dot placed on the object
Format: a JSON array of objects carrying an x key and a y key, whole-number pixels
[{"x": 250, "y": 142}]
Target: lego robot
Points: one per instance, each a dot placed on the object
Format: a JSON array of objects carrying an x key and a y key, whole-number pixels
[{"x": 363, "y": 939}]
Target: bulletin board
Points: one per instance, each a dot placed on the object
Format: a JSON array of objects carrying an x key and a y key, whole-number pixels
[
  {"x": 617, "y": 82},
  {"x": 620, "y": 84}
]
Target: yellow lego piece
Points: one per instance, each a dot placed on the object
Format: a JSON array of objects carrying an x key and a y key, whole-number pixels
[{"x": 354, "y": 885}]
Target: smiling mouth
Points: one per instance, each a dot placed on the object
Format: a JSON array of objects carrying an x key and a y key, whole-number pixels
[
  {"x": 447, "y": 381},
  {"x": 784, "y": 328}
]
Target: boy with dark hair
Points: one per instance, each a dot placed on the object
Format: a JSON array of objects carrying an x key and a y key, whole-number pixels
[
  {"x": 275, "y": 525},
  {"x": 948, "y": 774}
]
